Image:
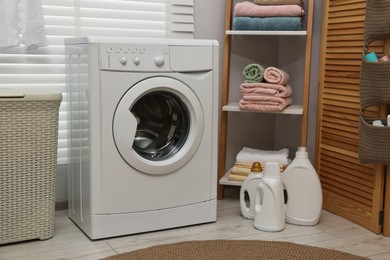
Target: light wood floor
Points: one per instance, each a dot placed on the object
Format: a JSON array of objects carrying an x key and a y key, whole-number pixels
[{"x": 331, "y": 232}]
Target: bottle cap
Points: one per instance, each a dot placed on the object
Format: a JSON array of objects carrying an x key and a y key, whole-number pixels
[
  {"x": 377, "y": 123},
  {"x": 272, "y": 169},
  {"x": 301, "y": 153},
  {"x": 256, "y": 167}
]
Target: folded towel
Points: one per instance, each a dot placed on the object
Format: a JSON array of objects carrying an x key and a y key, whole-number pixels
[
  {"x": 253, "y": 73},
  {"x": 276, "y": 76},
  {"x": 244, "y": 165},
  {"x": 234, "y": 177},
  {"x": 279, "y": 2},
  {"x": 281, "y": 23},
  {"x": 251, "y": 9},
  {"x": 264, "y": 103},
  {"x": 265, "y": 98},
  {"x": 243, "y": 171},
  {"x": 249, "y": 155},
  {"x": 262, "y": 88}
]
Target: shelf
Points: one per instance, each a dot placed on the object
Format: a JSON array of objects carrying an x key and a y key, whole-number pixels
[
  {"x": 279, "y": 33},
  {"x": 225, "y": 181},
  {"x": 290, "y": 110},
  {"x": 300, "y": 109}
]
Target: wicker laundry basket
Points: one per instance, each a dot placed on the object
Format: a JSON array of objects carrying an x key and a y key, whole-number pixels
[{"x": 28, "y": 159}]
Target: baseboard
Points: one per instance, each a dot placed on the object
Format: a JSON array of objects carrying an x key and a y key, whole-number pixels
[{"x": 61, "y": 205}]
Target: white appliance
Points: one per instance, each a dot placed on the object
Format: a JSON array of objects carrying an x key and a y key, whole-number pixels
[{"x": 144, "y": 121}]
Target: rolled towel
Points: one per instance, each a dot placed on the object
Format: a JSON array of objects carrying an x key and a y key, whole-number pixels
[
  {"x": 276, "y": 76},
  {"x": 279, "y": 2},
  {"x": 262, "y": 88},
  {"x": 253, "y": 73},
  {"x": 281, "y": 23},
  {"x": 270, "y": 105},
  {"x": 249, "y": 155},
  {"x": 251, "y": 9}
]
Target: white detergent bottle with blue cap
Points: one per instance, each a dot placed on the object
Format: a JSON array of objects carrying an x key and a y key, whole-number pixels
[
  {"x": 304, "y": 192},
  {"x": 248, "y": 191},
  {"x": 270, "y": 208}
]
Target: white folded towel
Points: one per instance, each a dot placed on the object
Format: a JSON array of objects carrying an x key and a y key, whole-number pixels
[{"x": 250, "y": 155}]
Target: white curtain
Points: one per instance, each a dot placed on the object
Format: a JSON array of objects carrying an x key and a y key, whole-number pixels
[{"x": 45, "y": 67}]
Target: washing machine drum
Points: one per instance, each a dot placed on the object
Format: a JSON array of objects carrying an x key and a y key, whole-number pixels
[
  {"x": 163, "y": 125},
  {"x": 158, "y": 125}
]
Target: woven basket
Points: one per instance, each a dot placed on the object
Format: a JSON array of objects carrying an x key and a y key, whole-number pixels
[
  {"x": 377, "y": 23},
  {"x": 374, "y": 83},
  {"x": 28, "y": 159},
  {"x": 374, "y": 141}
]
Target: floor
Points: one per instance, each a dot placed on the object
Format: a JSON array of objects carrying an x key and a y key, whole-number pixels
[{"x": 331, "y": 232}]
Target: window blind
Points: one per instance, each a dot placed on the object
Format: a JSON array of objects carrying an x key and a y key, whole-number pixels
[{"x": 45, "y": 67}]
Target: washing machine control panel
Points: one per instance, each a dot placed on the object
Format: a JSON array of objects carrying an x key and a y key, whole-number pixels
[{"x": 122, "y": 57}]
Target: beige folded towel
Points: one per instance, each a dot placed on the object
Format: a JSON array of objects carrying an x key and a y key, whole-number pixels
[
  {"x": 234, "y": 177},
  {"x": 243, "y": 171}
]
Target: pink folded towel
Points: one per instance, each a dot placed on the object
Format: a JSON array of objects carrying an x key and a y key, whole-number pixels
[
  {"x": 264, "y": 103},
  {"x": 275, "y": 76},
  {"x": 278, "y": 2},
  {"x": 265, "y": 89},
  {"x": 253, "y": 10}
]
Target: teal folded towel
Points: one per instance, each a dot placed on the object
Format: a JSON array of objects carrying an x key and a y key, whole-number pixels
[
  {"x": 253, "y": 73},
  {"x": 280, "y": 23}
]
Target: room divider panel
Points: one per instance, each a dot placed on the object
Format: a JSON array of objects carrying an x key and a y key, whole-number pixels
[{"x": 353, "y": 190}]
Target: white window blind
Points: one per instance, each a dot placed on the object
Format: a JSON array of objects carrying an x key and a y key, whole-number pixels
[{"x": 45, "y": 67}]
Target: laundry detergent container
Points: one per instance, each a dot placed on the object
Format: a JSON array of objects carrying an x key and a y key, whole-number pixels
[{"x": 28, "y": 160}]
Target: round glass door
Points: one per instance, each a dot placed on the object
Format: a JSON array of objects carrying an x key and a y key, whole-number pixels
[
  {"x": 158, "y": 125},
  {"x": 163, "y": 125}
]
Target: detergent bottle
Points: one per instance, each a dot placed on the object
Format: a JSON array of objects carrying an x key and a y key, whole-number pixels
[
  {"x": 248, "y": 191},
  {"x": 304, "y": 192},
  {"x": 270, "y": 207}
]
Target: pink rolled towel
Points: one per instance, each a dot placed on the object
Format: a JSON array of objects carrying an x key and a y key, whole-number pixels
[
  {"x": 275, "y": 76},
  {"x": 253, "y": 10},
  {"x": 264, "y": 103},
  {"x": 263, "y": 88}
]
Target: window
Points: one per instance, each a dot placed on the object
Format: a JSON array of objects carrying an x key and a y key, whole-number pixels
[{"x": 45, "y": 67}]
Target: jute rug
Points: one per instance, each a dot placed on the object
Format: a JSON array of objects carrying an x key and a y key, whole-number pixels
[{"x": 234, "y": 249}]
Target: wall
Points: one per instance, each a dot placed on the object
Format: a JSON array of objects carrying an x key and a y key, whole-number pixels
[{"x": 210, "y": 24}]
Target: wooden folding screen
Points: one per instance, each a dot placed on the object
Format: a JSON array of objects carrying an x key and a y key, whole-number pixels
[{"x": 352, "y": 190}]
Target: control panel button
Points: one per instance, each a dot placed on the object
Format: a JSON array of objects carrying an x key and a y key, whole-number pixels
[
  {"x": 136, "y": 60},
  {"x": 159, "y": 60},
  {"x": 123, "y": 60}
]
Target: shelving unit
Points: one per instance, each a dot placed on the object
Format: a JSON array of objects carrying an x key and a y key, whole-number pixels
[{"x": 231, "y": 107}]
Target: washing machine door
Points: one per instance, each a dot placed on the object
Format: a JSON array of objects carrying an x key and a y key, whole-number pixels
[{"x": 158, "y": 125}]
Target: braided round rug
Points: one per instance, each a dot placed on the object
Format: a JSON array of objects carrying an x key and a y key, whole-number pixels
[{"x": 234, "y": 249}]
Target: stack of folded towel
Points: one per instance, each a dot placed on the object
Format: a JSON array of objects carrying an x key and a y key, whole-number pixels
[
  {"x": 247, "y": 156},
  {"x": 269, "y": 15},
  {"x": 272, "y": 95}
]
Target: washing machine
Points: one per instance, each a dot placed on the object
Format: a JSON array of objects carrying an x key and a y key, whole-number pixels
[{"x": 143, "y": 120}]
